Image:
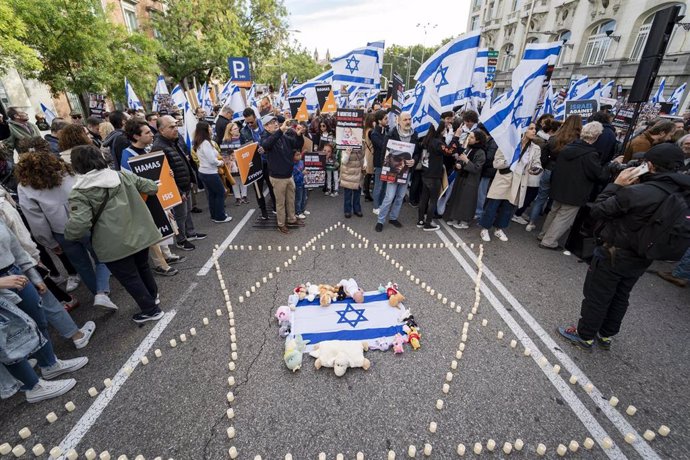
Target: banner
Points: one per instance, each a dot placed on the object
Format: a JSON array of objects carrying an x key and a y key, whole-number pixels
[
  {"x": 314, "y": 169},
  {"x": 349, "y": 127},
  {"x": 154, "y": 166},
  {"x": 298, "y": 108},
  {"x": 394, "y": 167},
  {"x": 97, "y": 105},
  {"x": 585, "y": 108},
  {"x": 324, "y": 94},
  {"x": 249, "y": 163},
  {"x": 388, "y": 98},
  {"x": 398, "y": 91}
]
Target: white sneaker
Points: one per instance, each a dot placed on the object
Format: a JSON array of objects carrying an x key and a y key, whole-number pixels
[
  {"x": 450, "y": 222},
  {"x": 72, "y": 283},
  {"x": 530, "y": 227},
  {"x": 376, "y": 211},
  {"x": 87, "y": 329},
  {"x": 63, "y": 366},
  {"x": 519, "y": 220},
  {"x": 461, "y": 225},
  {"x": 301, "y": 216},
  {"x": 334, "y": 194},
  {"x": 306, "y": 213},
  {"x": 327, "y": 193},
  {"x": 102, "y": 300},
  {"x": 47, "y": 390},
  {"x": 498, "y": 233},
  {"x": 158, "y": 299},
  {"x": 484, "y": 234},
  {"x": 227, "y": 219}
]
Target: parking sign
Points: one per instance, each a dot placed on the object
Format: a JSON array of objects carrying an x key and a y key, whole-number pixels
[{"x": 239, "y": 71}]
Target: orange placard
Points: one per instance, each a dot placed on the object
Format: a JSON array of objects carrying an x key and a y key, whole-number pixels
[
  {"x": 154, "y": 166},
  {"x": 249, "y": 163}
]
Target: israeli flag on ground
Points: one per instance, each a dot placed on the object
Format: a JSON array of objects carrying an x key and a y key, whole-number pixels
[
  {"x": 380, "y": 46},
  {"x": 676, "y": 98},
  {"x": 358, "y": 67},
  {"x": 133, "y": 101},
  {"x": 346, "y": 320},
  {"x": 50, "y": 115},
  {"x": 659, "y": 95},
  {"x": 308, "y": 89},
  {"x": 606, "y": 90},
  {"x": 178, "y": 97},
  {"x": 161, "y": 88}
]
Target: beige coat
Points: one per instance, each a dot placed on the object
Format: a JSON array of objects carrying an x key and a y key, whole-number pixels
[
  {"x": 351, "y": 170},
  {"x": 513, "y": 186},
  {"x": 368, "y": 153}
]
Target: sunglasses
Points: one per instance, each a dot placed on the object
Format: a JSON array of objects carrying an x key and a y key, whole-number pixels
[{"x": 76, "y": 117}]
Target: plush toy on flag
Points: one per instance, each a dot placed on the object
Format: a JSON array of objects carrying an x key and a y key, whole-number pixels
[{"x": 341, "y": 355}]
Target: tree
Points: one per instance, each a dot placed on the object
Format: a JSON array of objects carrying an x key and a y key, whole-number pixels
[
  {"x": 396, "y": 59},
  {"x": 296, "y": 62},
  {"x": 13, "y": 52},
  {"x": 265, "y": 26}
]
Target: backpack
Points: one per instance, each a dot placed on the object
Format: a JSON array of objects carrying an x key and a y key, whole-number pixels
[{"x": 666, "y": 236}]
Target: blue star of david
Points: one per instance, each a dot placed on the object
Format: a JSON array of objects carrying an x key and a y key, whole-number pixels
[
  {"x": 441, "y": 77},
  {"x": 418, "y": 90},
  {"x": 421, "y": 116},
  {"x": 352, "y": 64},
  {"x": 350, "y": 309}
]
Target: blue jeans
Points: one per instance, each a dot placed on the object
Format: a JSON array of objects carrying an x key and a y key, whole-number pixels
[
  {"x": 682, "y": 270},
  {"x": 395, "y": 193},
  {"x": 379, "y": 188},
  {"x": 484, "y": 184},
  {"x": 300, "y": 199},
  {"x": 539, "y": 202},
  {"x": 497, "y": 213},
  {"x": 80, "y": 254},
  {"x": 216, "y": 195},
  {"x": 351, "y": 201}
]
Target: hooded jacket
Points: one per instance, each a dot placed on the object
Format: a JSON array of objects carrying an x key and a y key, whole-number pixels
[
  {"x": 577, "y": 170},
  {"x": 46, "y": 210}
]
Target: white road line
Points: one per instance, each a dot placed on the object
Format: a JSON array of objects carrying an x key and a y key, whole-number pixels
[
  {"x": 221, "y": 249},
  {"x": 601, "y": 402},
  {"x": 569, "y": 396}
]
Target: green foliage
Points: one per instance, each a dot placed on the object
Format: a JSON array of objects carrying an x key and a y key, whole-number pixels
[
  {"x": 264, "y": 24},
  {"x": 14, "y": 53},
  {"x": 396, "y": 58},
  {"x": 296, "y": 62}
]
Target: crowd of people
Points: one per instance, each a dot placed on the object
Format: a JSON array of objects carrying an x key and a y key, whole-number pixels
[{"x": 69, "y": 196}]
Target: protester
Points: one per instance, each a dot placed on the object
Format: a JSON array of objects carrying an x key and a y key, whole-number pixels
[
  {"x": 660, "y": 132},
  {"x": 508, "y": 189},
  {"x": 332, "y": 169},
  {"x": 208, "y": 172},
  {"x": 607, "y": 144},
  {"x": 92, "y": 128},
  {"x": 578, "y": 170},
  {"x": 488, "y": 172},
  {"x": 684, "y": 144},
  {"x": 300, "y": 190},
  {"x": 625, "y": 207},
  {"x": 252, "y": 132},
  {"x": 4, "y": 128},
  {"x": 109, "y": 204},
  {"x": 140, "y": 137},
  {"x": 52, "y": 137},
  {"x": 470, "y": 120},
  {"x": 379, "y": 137},
  {"x": 76, "y": 117},
  {"x": 432, "y": 175},
  {"x": 352, "y": 162},
  {"x": 116, "y": 141},
  {"x": 231, "y": 141},
  {"x": 368, "y": 156},
  {"x": 325, "y": 134},
  {"x": 152, "y": 121},
  {"x": 224, "y": 120},
  {"x": 20, "y": 127},
  {"x": 280, "y": 149},
  {"x": 41, "y": 122},
  {"x": 462, "y": 203}
]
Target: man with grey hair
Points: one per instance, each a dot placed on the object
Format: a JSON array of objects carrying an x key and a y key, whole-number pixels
[
  {"x": 224, "y": 118},
  {"x": 577, "y": 170},
  {"x": 684, "y": 144}
]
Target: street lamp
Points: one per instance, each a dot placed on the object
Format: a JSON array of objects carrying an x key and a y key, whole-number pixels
[{"x": 426, "y": 26}]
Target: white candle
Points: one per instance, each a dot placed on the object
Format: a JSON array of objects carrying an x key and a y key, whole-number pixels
[
  {"x": 391, "y": 455},
  {"x": 192, "y": 331},
  {"x": 556, "y": 369},
  {"x": 527, "y": 352},
  {"x": 24, "y": 433},
  {"x": 630, "y": 438},
  {"x": 173, "y": 343},
  {"x": 38, "y": 450},
  {"x": 93, "y": 392},
  {"x": 541, "y": 449},
  {"x": 411, "y": 451},
  {"x": 144, "y": 360},
  {"x": 573, "y": 379},
  {"x": 458, "y": 354},
  {"x": 573, "y": 446},
  {"x": 446, "y": 388},
  {"x": 233, "y": 452},
  {"x": 507, "y": 448},
  {"x": 454, "y": 364},
  {"x": 499, "y": 335},
  {"x": 513, "y": 343},
  {"x": 158, "y": 353},
  {"x": 51, "y": 417},
  {"x": 460, "y": 450},
  {"x": 631, "y": 410},
  {"x": 18, "y": 450},
  {"x": 519, "y": 444},
  {"x": 230, "y": 413},
  {"x": 5, "y": 448},
  {"x": 231, "y": 365},
  {"x": 449, "y": 376},
  {"x": 230, "y": 396},
  {"x": 69, "y": 406},
  {"x": 485, "y": 322},
  {"x": 589, "y": 388},
  {"x": 664, "y": 430},
  {"x": 231, "y": 432},
  {"x": 606, "y": 443},
  {"x": 490, "y": 445},
  {"x": 649, "y": 435},
  {"x": 427, "y": 449},
  {"x": 477, "y": 448},
  {"x": 561, "y": 450}
]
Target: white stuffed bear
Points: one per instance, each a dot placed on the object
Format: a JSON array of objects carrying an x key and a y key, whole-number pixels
[
  {"x": 340, "y": 354},
  {"x": 312, "y": 292}
]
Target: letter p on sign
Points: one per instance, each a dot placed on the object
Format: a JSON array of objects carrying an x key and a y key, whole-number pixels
[{"x": 239, "y": 71}]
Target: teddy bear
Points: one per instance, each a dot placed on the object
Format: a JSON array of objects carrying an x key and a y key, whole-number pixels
[
  {"x": 327, "y": 294},
  {"x": 282, "y": 314},
  {"x": 413, "y": 336},
  {"x": 293, "y": 352},
  {"x": 394, "y": 297},
  {"x": 352, "y": 289},
  {"x": 312, "y": 292},
  {"x": 284, "y": 329},
  {"x": 382, "y": 344},
  {"x": 340, "y": 355},
  {"x": 301, "y": 291},
  {"x": 398, "y": 343}
]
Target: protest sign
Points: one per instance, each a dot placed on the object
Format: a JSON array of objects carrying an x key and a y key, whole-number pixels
[
  {"x": 248, "y": 163},
  {"x": 398, "y": 94},
  {"x": 97, "y": 105},
  {"x": 349, "y": 127},
  {"x": 154, "y": 166},
  {"x": 298, "y": 108},
  {"x": 324, "y": 94},
  {"x": 314, "y": 169},
  {"x": 394, "y": 167},
  {"x": 585, "y": 108}
]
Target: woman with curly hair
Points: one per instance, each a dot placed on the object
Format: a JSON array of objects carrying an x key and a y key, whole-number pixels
[
  {"x": 69, "y": 137},
  {"x": 45, "y": 183}
]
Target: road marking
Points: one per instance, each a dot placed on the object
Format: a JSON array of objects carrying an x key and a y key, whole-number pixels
[
  {"x": 224, "y": 245},
  {"x": 600, "y": 401}
]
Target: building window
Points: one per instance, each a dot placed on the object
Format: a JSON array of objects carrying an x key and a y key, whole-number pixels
[
  {"x": 641, "y": 40},
  {"x": 598, "y": 43},
  {"x": 506, "y": 58},
  {"x": 515, "y": 5},
  {"x": 564, "y": 38},
  {"x": 129, "y": 11},
  {"x": 474, "y": 23}
]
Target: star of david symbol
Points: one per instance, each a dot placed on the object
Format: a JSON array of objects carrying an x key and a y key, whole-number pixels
[
  {"x": 350, "y": 309},
  {"x": 352, "y": 64},
  {"x": 440, "y": 77},
  {"x": 421, "y": 116},
  {"x": 418, "y": 90}
]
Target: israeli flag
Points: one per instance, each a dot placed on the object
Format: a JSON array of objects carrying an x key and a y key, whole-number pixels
[
  {"x": 577, "y": 86},
  {"x": 161, "y": 88},
  {"x": 676, "y": 98},
  {"x": 190, "y": 122},
  {"x": 178, "y": 97},
  {"x": 225, "y": 92},
  {"x": 535, "y": 55},
  {"x": 205, "y": 100},
  {"x": 251, "y": 96},
  {"x": 559, "y": 112},
  {"x": 380, "y": 46},
  {"x": 358, "y": 67},
  {"x": 592, "y": 91},
  {"x": 659, "y": 95},
  {"x": 308, "y": 89},
  {"x": 50, "y": 115},
  {"x": 548, "y": 106},
  {"x": 133, "y": 101},
  {"x": 478, "y": 91},
  {"x": 606, "y": 90},
  {"x": 346, "y": 320}
]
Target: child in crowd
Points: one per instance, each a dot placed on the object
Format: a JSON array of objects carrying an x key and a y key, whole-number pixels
[
  {"x": 231, "y": 142},
  {"x": 300, "y": 191},
  {"x": 332, "y": 167}
]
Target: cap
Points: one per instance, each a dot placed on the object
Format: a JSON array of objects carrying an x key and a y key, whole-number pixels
[
  {"x": 665, "y": 155},
  {"x": 266, "y": 119}
]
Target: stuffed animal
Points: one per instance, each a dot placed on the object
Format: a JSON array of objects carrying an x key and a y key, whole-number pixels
[
  {"x": 394, "y": 297},
  {"x": 293, "y": 299},
  {"x": 293, "y": 352},
  {"x": 327, "y": 294},
  {"x": 391, "y": 288},
  {"x": 341, "y": 293},
  {"x": 410, "y": 322},
  {"x": 312, "y": 292},
  {"x": 340, "y": 355},
  {"x": 285, "y": 328},
  {"x": 301, "y": 291},
  {"x": 381, "y": 289},
  {"x": 381, "y": 343},
  {"x": 413, "y": 337},
  {"x": 398, "y": 343},
  {"x": 352, "y": 290},
  {"x": 283, "y": 314}
]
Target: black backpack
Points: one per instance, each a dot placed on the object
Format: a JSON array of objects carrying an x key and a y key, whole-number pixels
[{"x": 666, "y": 236}]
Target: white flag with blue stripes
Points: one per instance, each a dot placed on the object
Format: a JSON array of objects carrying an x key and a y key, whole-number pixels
[
  {"x": 161, "y": 88},
  {"x": 133, "y": 101},
  {"x": 49, "y": 114},
  {"x": 178, "y": 97},
  {"x": 308, "y": 89},
  {"x": 659, "y": 95},
  {"x": 606, "y": 90},
  {"x": 359, "y": 67},
  {"x": 346, "y": 320},
  {"x": 547, "y": 106},
  {"x": 535, "y": 55},
  {"x": 225, "y": 92},
  {"x": 190, "y": 122},
  {"x": 676, "y": 98},
  {"x": 576, "y": 86},
  {"x": 380, "y": 46},
  {"x": 478, "y": 91}
]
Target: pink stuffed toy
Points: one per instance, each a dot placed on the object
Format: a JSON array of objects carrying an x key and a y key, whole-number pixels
[
  {"x": 398, "y": 344},
  {"x": 283, "y": 314}
]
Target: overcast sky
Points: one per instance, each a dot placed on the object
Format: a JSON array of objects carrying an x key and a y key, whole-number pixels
[{"x": 342, "y": 25}]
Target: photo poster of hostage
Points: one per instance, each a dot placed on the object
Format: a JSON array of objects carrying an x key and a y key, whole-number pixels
[
  {"x": 349, "y": 127},
  {"x": 395, "y": 163},
  {"x": 315, "y": 168}
]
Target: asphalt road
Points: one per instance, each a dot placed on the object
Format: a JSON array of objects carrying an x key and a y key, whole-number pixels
[{"x": 176, "y": 405}]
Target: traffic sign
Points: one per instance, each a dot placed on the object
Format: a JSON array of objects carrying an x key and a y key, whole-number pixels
[{"x": 239, "y": 71}]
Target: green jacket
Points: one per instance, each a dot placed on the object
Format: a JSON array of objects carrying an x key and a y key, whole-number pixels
[
  {"x": 125, "y": 226},
  {"x": 18, "y": 132}
]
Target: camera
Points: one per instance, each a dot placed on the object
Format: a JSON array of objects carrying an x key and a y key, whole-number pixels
[{"x": 616, "y": 168}]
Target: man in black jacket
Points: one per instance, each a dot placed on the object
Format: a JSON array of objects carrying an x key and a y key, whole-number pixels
[
  {"x": 168, "y": 140},
  {"x": 117, "y": 141},
  {"x": 624, "y": 207},
  {"x": 577, "y": 170},
  {"x": 224, "y": 118},
  {"x": 280, "y": 150},
  {"x": 607, "y": 143},
  {"x": 252, "y": 131},
  {"x": 379, "y": 138}
]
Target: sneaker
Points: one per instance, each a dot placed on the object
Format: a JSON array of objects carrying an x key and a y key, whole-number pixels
[
  {"x": 141, "y": 318},
  {"x": 379, "y": 227},
  {"x": 571, "y": 335},
  {"x": 87, "y": 329},
  {"x": 376, "y": 211},
  {"x": 395, "y": 223},
  {"x": 283, "y": 229},
  {"x": 430, "y": 227},
  {"x": 668, "y": 276},
  {"x": 158, "y": 299},
  {"x": 498, "y": 233},
  {"x": 102, "y": 300},
  {"x": 348, "y": 215},
  {"x": 46, "y": 390},
  {"x": 420, "y": 224},
  {"x": 461, "y": 225},
  {"x": 530, "y": 227},
  {"x": 359, "y": 214},
  {"x": 334, "y": 194},
  {"x": 245, "y": 200},
  {"x": 484, "y": 235},
  {"x": 327, "y": 193},
  {"x": 58, "y": 279},
  {"x": 227, "y": 219},
  {"x": 604, "y": 342},
  {"x": 185, "y": 246},
  {"x": 63, "y": 367},
  {"x": 170, "y": 271},
  {"x": 196, "y": 210},
  {"x": 263, "y": 217},
  {"x": 72, "y": 283},
  {"x": 306, "y": 213},
  {"x": 519, "y": 220},
  {"x": 238, "y": 202},
  {"x": 197, "y": 236},
  {"x": 301, "y": 216},
  {"x": 71, "y": 304},
  {"x": 274, "y": 212},
  {"x": 175, "y": 259}
]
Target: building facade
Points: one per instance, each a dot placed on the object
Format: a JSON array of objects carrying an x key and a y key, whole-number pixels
[{"x": 603, "y": 39}]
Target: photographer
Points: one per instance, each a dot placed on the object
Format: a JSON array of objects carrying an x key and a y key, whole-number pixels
[{"x": 631, "y": 229}]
